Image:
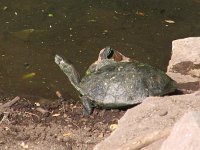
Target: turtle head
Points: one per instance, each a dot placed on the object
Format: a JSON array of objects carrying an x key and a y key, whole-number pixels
[
  {"x": 69, "y": 70},
  {"x": 107, "y": 53}
]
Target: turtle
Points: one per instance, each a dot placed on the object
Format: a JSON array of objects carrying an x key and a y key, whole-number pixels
[{"x": 117, "y": 84}]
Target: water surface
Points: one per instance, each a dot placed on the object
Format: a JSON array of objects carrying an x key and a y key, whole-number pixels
[{"x": 77, "y": 30}]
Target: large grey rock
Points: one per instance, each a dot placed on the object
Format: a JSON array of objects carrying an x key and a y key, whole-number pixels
[
  {"x": 184, "y": 65},
  {"x": 154, "y": 114},
  {"x": 185, "y": 134}
]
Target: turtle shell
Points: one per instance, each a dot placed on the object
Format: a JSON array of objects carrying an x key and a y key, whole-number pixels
[{"x": 125, "y": 83}]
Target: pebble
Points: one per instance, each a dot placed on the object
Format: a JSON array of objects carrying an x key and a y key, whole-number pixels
[
  {"x": 163, "y": 112},
  {"x": 88, "y": 129},
  {"x": 101, "y": 135}
]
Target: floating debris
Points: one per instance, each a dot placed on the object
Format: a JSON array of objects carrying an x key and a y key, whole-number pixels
[
  {"x": 140, "y": 13},
  {"x": 92, "y": 20},
  {"x": 29, "y": 75},
  {"x": 26, "y": 33},
  {"x": 169, "y": 21},
  {"x": 121, "y": 13},
  {"x": 5, "y": 7},
  {"x": 50, "y": 15},
  {"x": 105, "y": 32}
]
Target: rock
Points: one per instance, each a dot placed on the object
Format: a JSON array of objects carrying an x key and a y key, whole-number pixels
[
  {"x": 185, "y": 134},
  {"x": 184, "y": 65},
  {"x": 162, "y": 112},
  {"x": 186, "y": 49},
  {"x": 145, "y": 119},
  {"x": 156, "y": 114}
]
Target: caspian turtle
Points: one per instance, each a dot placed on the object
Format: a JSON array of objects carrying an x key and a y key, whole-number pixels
[{"x": 119, "y": 84}]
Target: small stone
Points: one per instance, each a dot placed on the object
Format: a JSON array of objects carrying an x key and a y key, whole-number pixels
[
  {"x": 37, "y": 104},
  {"x": 101, "y": 135},
  {"x": 163, "y": 112},
  {"x": 24, "y": 146},
  {"x": 88, "y": 129},
  {"x": 70, "y": 126}
]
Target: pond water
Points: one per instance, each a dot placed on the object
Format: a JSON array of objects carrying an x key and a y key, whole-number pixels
[{"x": 33, "y": 31}]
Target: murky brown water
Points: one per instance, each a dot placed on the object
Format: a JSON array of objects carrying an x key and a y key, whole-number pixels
[{"x": 77, "y": 30}]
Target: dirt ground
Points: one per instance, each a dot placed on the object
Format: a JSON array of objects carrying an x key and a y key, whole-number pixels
[{"x": 58, "y": 125}]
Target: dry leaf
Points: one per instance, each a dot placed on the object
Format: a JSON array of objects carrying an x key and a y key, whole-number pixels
[
  {"x": 55, "y": 115},
  {"x": 101, "y": 135},
  {"x": 139, "y": 13},
  {"x": 113, "y": 126},
  {"x": 58, "y": 94},
  {"x": 67, "y": 134}
]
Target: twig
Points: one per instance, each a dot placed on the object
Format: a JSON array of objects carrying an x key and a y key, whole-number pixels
[
  {"x": 75, "y": 125},
  {"x": 62, "y": 100},
  {"x": 5, "y": 117},
  {"x": 144, "y": 141},
  {"x": 5, "y": 106},
  {"x": 10, "y": 103},
  {"x": 42, "y": 110},
  {"x": 32, "y": 114}
]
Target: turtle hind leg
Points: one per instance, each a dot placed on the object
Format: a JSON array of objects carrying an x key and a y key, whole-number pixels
[{"x": 87, "y": 106}]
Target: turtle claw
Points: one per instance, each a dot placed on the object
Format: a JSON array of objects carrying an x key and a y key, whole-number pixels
[
  {"x": 87, "y": 107},
  {"x": 85, "y": 112}
]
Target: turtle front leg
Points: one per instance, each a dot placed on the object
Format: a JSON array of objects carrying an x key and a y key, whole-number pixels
[{"x": 87, "y": 106}]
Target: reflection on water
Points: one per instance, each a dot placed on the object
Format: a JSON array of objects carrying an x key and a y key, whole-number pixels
[{"x": 77, "y": 30}]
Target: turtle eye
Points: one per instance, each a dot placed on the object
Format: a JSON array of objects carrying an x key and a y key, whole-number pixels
[
  {"x": 111, "y": 53},
  {"x": 107, "y": 53}
]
